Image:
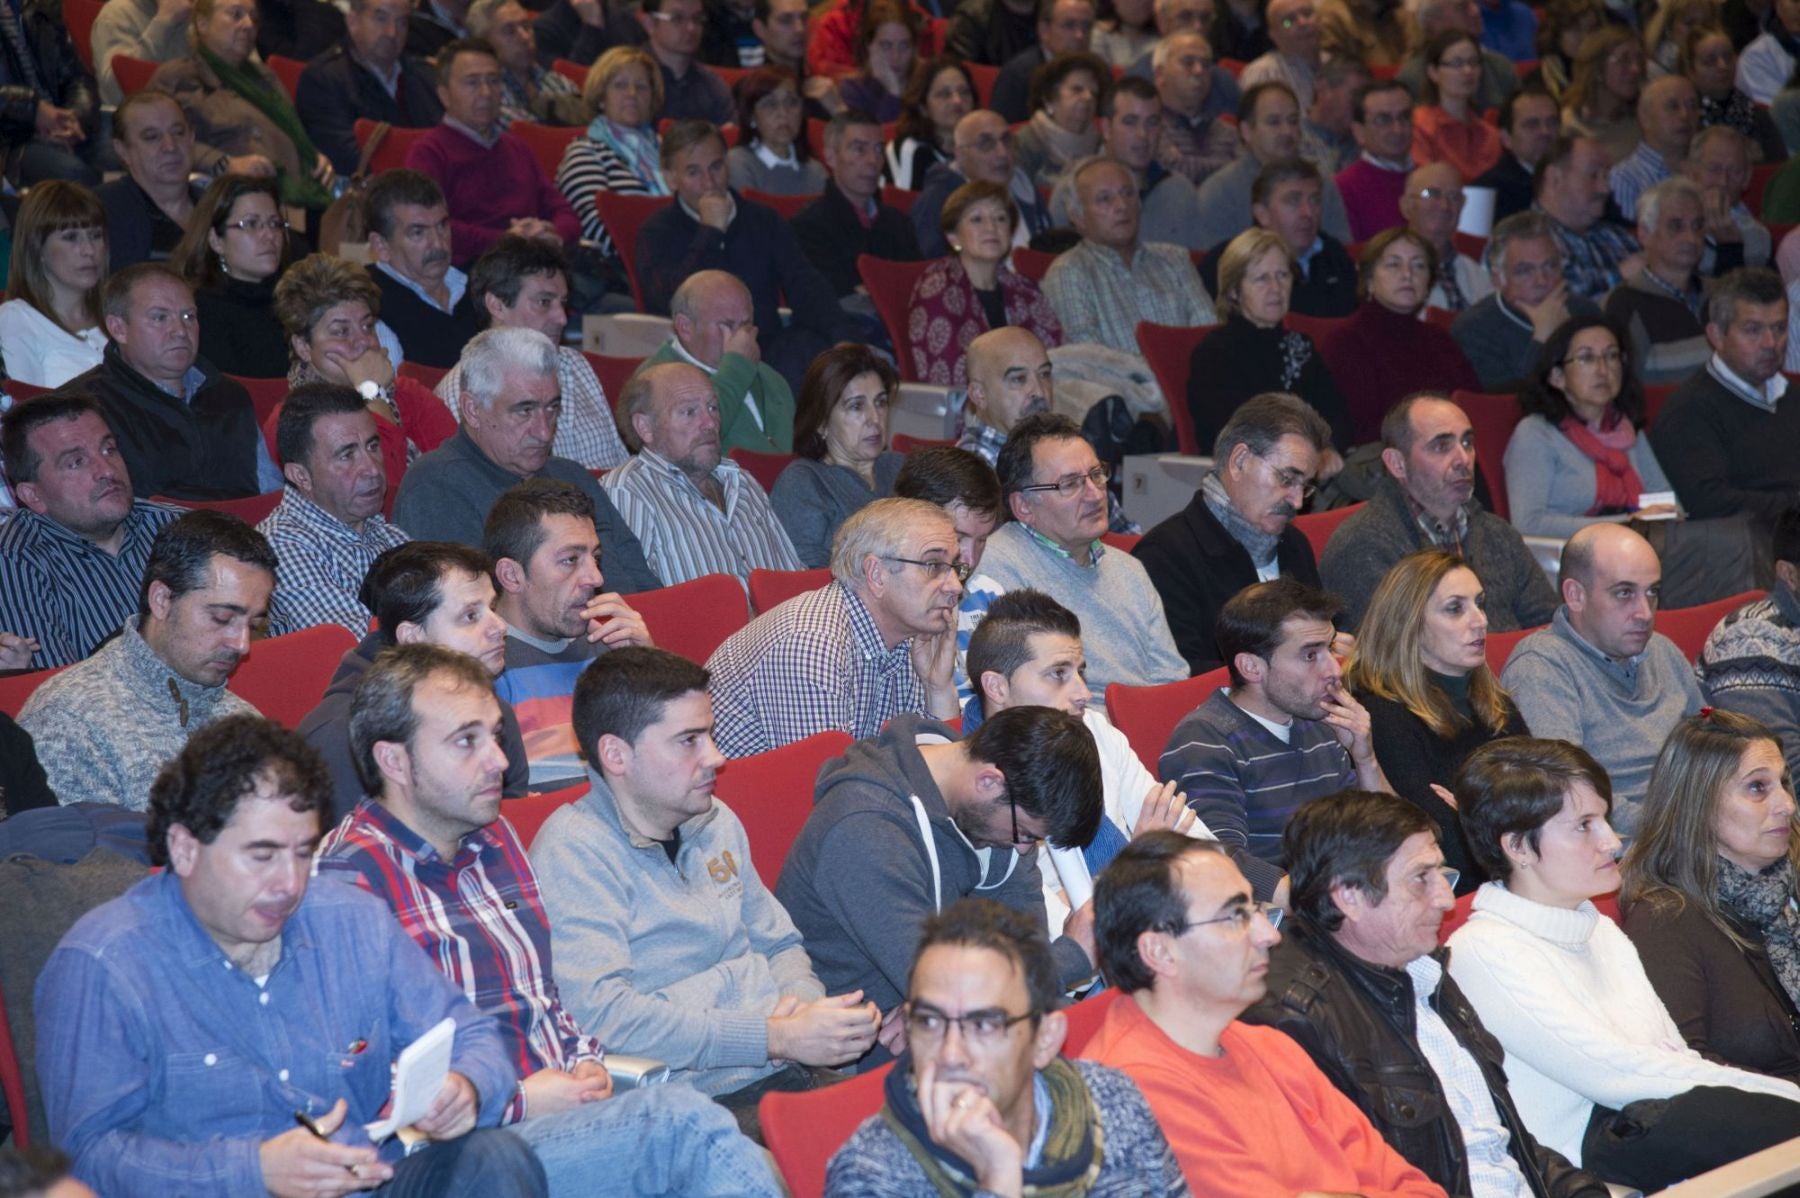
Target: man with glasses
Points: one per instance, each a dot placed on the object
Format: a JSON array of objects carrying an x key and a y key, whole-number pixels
[
  {"x": 693, "y": 509},
  {"x": 982, "y": 150},
  {"x": 906, "y": 823},
  {"x": 983, "y": 1102},
  {"x": 1432, "y": 203},
  {"x": 1659, "y": 306},
  {"x": 1246, "y": 1112},
  {"x": 1503, "y": 333},
  {"x": 1381, "y": 123},
  {"x": 1238, "y": 528},
  {"x": 690, "y": 89},
  {"x": 1358, "y": 982},
  {"x": 1601, "y": 675},
  {"x": 1571, "y": 190},
  {"x": 1056, "y": 490},
  {"x": 876, "y": 642}
]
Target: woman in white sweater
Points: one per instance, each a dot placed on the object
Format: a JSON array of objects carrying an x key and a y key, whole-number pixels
[{"x": 1598, "y": 1069}]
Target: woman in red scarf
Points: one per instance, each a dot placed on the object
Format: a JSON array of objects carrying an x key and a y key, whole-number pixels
[{"x": 1580, "y": 455}]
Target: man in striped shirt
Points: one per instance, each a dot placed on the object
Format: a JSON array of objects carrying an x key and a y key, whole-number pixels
[
  {"x": 695, "y": 511},
  {"x": 425, "y": 727}
]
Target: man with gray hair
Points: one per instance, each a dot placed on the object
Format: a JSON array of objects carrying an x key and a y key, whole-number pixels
[
  {"x": 529, "y": 91},
  {"x": 694, "y": 510},
  {"x": 715, "y": 330},
  {"x": 1238, "y": 528},
  {"x": 1719, "y": 161},
  {"x": 509, "y": 405},
  {"x": 877, "y": 641},
  {"x": 1503, "y": 334},
  {"x": 1658, "y": 305},
  {"x": 1112, "y": 280},
  {"x": 1432, "y": 204},
  {"x": 1195, "y": 141},
  {"x": 1668, "y": 111}
]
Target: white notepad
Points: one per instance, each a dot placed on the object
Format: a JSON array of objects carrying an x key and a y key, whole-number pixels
[{"x": 419, "y": 1074}]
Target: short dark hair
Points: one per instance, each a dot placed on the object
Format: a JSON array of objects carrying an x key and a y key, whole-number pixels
[
  {"x": 1745, "y": 285},
  {"x": 1785, "y": 542},
  {"x": 447, "y": 54},
  {"x": 1262, "y": 420},
  {"x": 1251, "y": 620},
  {"x": 1557, "y": 156},
  {"x": 25, "y": 418},
  {"x": 1051, "y": 766},
  {"x": 304, "y": 407},
  {"x": 1513, "y": 787},
  {"x": 390, "y": 189},
  {"x": 1018, "y": 456},
  {"x": 1252, "y": 95},
  {"x": 984, "y": 923},
  {"x": 1510, "y": 105},
  {"x": 115, "y": 294},
  {"x": 1047, "y": 78},
  {"x": 1540, "y": 397},
  {"x": 1130, "y": 85},
  {"x": 28, "y": 1172},
  {"x": 382, "y": 707},
  {"x": 623, "y": 692},
  {"x": 185, "y": 547},
  {"x": 502, "y": 271},
  {"x": 1374, "y": 87},
  {"x": 1001, "y": 643},
  {"x": 944, "y": 474},
  {"x": 1281, "y": 170},
  {"x": 1137, "y": 893},
  {"x": 1346, "y": 839},
  {"x": 200, "y": 786},
  {"x": 515, "y": 524},
  {"x": 1396, "y": 426},
  {"x": 405, "y": 584}
]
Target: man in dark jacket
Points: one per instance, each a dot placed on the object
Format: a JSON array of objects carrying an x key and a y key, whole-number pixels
[
  {"x": 1238, "y": 528},
  {"x": 849, "y": 219},
  {"x": 49, "y": 106},
  {"x": 1359, "y": 982},
  {"x": 368, "y": 75}
]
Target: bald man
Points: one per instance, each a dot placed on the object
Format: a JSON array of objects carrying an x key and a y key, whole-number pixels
[
  {"x": 1009, "y": 379},
  {"x": 715, "y": 331},
  {"x": 1431, "y": 205},
  {"x": 1668, "y": 112},
  {"x": 1601, "y": 675},
  {"x": 981, "y": 149},
  {"x": 695, "y": 511}
]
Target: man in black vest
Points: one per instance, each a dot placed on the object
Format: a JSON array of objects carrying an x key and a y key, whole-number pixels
[
  {"x": 425, "y": 306},
  {"x": 368, "y": 75},
  {"x": 185, "y": 430}
]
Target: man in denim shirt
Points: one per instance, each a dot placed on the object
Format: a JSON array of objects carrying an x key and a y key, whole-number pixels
[{"x": 186, "y": 1027}]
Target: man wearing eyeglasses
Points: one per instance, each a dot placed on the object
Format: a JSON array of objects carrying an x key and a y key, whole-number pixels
[
  {"x": 1381, "y": 123},
  {"x": 1055, "y": 487},
  {"x": 1503, "y": 333},
  {"x": 1432, "y": 204},
  {"x": 690, "y": 89},
  {"x": 982, "y": 151},
  {"x": 1358, "y": 981},
  {"x": 983, "y": 1103},
  {"x": 1246, "y": 1112}
]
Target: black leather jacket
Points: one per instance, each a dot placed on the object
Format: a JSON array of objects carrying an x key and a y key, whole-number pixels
[
  {"x": 64, "y": 81},
  {"x": 1356, "y": 1021}
]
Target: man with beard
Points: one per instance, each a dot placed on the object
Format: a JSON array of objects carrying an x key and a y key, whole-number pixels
[
  {"x": 328, "y": 528},
  {"x": 106, "y": 726},
  {"x": 1283, "y": 733},
  {"x": 1601, "y": 675},
  {"x": 694, "y": 510},
  {"x": 1427, "y": 500},
  {"x": 546, "y": 556},
  {"x": 427, "y": 313}
]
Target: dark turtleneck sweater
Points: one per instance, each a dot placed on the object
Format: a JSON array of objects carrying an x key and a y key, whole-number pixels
[
  {"x": 238, "y": 330},
  {"x": 1376, "y": 356},
  {"x": 1238, "y": 360}
]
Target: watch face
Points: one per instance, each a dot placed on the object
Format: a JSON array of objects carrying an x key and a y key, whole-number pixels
[{"x": 368, "y": 389}]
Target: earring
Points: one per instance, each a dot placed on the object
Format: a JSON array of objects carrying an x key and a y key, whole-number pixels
[{"x": 224, "y": 267}]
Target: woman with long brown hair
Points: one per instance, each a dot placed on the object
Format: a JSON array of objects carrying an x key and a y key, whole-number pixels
[
  {"x": 233, "y": 253},
  {"x": 50, "y": 328}
]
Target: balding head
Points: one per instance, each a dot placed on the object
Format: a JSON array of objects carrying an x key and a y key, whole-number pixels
[
  {"x": 1009, "y": 377},
  {"x": 983, "y": 147},
  {"x": 1668, "y": 112},
  {"x": 1432, "y": 203},
  {"x": 707, "y": 309},
  {"x": 674, "y": 413},
  {"x": 1611, "y": 583}
]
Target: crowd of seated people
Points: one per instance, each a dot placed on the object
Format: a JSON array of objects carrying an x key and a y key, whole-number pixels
[{"x": 256, "y": 387}]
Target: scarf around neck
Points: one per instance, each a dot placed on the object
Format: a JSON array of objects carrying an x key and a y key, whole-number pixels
[
  {"x": 1765, "y": 901},
  {"x": 1616, "y": 482},
  {"x": 1074, "y": 1150},
  {"x": 1064, "y": 147},
  {"x": 639, "y": 149},
  {"x": 1258, "y": 544},
  {"x": 299, "y": 188}
]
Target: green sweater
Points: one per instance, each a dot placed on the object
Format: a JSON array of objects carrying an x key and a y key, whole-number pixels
[{"x": 736, "y": 377}]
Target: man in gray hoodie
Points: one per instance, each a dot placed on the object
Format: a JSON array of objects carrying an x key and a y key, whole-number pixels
[{"x": 906, "y": 823}]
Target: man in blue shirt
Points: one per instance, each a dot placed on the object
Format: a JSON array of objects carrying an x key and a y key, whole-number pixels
[{"x": 186, "y": 1027}]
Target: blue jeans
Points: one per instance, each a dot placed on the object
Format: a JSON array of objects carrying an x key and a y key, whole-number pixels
[
  {"x": 660, "y": 1140},
  {"x": 489, "y": 1163}
]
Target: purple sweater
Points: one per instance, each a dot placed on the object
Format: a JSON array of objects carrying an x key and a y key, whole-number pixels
[
  {"x": 487, "y": 189},
  {"x": 1371, "y": 197}
]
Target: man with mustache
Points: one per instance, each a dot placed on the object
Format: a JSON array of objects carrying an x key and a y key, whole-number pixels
[
  {"x": 328, "y": 528},
  {"x": 105, "y": 726},
  {"x": 1570, "y": 188},
  {"x": 427, "y": 313},
  {"x": 1426, "y": 500},
  {"x": 368, "y": 75},
  {"x": 1601, "y": 675},
  {"x": 72, "y": 557},
  {"x": 430, "y": 843},
  {"x": 666, "y": 939}
]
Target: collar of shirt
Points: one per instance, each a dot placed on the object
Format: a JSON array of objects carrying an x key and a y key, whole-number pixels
[
  {"x": 195, "y": 947},
  {"x": 538, "y": 642},
  {"x": 191, "y": 382},
  {"x": 689, "y": 358},
  {"x": 1646, "y": 158},
  {"x": 696, "y": 215},
  {"x": 1626, "y": 669},
  {"x": 311, "y": 516},
  {"x": 454, "y": 279},
  {"x": 1096, "y": 547},
  {"x": 725, "y": 473},
  {"x": 984, "y": 440},
  {"x": 411, "y": 843},
  {"x": 1513, "y": 315},
  {"x": 1764, "y": 397},
  {"x": 436, "y": 12},
  {"x": 1691, "y": 296},
  {"x": 1401, "y": 166},
  {"x": 1040, "y": 1101},
  {"x": 136, "y": 524},
  {"x": 770, "y": 159},
  {"x": 1312, "y": 251},
  {"x": 1111, "y": 257},
  {"x": 486, "y": 141},
  {"x": 1451, "y": 535},
  {"x": 867, "y": 636},
  {"x": 1427, "y": 974}
]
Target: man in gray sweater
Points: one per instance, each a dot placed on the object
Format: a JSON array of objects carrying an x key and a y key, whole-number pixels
[
  {"x": 665, "y": 941},
  {"x": 1601, "y": 675}
]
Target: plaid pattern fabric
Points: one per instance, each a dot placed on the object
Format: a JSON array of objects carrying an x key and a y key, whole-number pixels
[
  {"x": 480, "y": 920},
  {"x": 323, "y": 562},
  {"x": 685, "y": 536},
  {"x": 585, "y": 431},
  {"x": 1099, "y": 298},
  {"x": 814, "y": 663},
  {"x": 1591, "y": 259}
]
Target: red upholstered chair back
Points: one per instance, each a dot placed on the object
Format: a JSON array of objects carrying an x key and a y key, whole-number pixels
[
  {"x": 1494, "y": 417},
  {"x": 15, "y": 689},
  {"x": 251, "y": 509},
  {"x": 769, "y": 588},
  {"x": 527, "y": 815},
  {"x": 693, "y": 618},
  {"x": 1147, "y": 715},
  {"x": 765, "y": 468},
  {"x": 391, "y": 153},
  {"x": 623, "y": 216},
  {"x": 1689, "y": 627},
  {"x": 890, "y": 287},
  {"x": 805, "y": 1128},
  {"x": 1317, "y": 527},
  {"x": 1169, "y": 349},
  {"x": 772, "y": 794},
  {"x": 547, "y": 142},
  {"x": 133, "y": 74},
  {"x": 284, "y": 677},
  {"x": 613, "y": 373}
]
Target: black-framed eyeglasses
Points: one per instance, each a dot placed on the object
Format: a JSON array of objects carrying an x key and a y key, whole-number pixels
[
  {"x": 936, "y": 570},
  {"x": 256, "y": 224},
  {"x": 928, "y": 1025},
  {"x": 1072, "y": 483},
  {"x": 1240, "y": 917},
  {"x": 1288, "y": 478}
]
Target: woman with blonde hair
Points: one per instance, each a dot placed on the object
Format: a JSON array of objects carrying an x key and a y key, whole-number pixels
[
  {"x": 1710, "y": 883},
  {"x": 1420, "y": 667},
  {"x": 50, "y": 328},
  {"x": 621, "y": 151},
  {"x": 1601, "y": 102}
]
